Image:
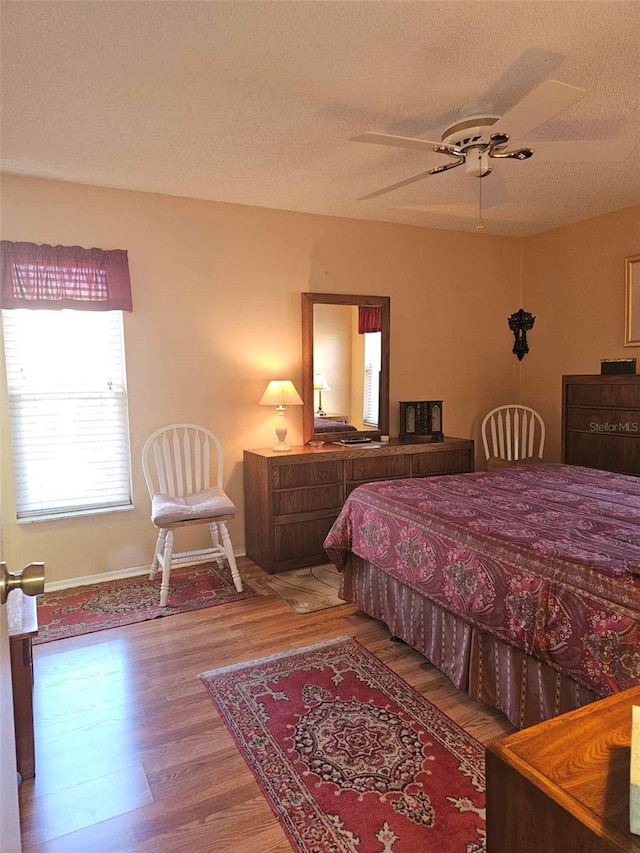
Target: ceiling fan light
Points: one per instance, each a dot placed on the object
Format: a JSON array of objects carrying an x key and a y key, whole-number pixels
[{"x": 477, "y": 163}]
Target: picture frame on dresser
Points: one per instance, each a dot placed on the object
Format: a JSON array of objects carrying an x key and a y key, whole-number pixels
[{"x": 632, "y": 302}]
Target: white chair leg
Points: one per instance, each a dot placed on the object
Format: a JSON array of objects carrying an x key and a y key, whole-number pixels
[
  {"x": 166, "y": 568},
  {"x": 215, "y": 538},
  {"x": 231, "y": 557},
  {"x": 159, "y": 548}
]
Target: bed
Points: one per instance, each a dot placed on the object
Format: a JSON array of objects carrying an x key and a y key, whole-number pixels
[{"x": 521, "y": 584}]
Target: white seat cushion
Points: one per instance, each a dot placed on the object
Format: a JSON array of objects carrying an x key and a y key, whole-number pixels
[{"x": 210, "y": 503}]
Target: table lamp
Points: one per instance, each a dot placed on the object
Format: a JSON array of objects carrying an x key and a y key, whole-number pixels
[
  {"x": 281, "y": 393},
  {"x": 320, "y": 385}
]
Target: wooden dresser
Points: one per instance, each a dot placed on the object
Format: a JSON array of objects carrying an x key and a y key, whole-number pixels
[
  {"x": 563, "y": 786},
  {"x": 601, "y": 422},
  {"x": 292, "y": 499}
]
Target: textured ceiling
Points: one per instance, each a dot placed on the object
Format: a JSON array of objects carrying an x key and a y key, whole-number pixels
[{"x": 254, "y": 102}]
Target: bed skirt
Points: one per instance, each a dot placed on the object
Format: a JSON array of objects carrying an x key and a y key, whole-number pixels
[{"x": 526, "y": 690}]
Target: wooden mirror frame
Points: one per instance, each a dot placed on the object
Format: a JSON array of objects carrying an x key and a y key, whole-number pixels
[
  {"x": 632, "y": 302},
  {"x": 308, "y": 301}
]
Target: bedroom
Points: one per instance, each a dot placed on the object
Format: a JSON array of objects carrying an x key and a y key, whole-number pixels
[{"x": 217, "y": 275}]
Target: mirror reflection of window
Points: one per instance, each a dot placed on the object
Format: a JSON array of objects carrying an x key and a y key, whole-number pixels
[{"x": 372, "y": 366}]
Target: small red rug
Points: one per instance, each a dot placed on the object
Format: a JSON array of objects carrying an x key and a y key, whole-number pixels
[
  {"x": 111, "y": 604},
  {"x": 350, "y": 757}
]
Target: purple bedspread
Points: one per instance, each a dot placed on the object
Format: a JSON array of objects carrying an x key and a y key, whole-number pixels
[
  {"x": 327, "y": 425},
  {"x": 546, "y": 557}
]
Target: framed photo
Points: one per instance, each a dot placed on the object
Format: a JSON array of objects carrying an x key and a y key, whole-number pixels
[{"x": 632, "y": 302}]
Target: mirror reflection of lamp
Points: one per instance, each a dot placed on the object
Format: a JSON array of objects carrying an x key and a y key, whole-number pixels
[
  {"x": 281, "y": 393},
  {"x": 320, "y": 385}
]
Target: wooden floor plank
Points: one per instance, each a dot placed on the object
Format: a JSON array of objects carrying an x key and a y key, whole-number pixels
[{"x": 128, "y": 701}]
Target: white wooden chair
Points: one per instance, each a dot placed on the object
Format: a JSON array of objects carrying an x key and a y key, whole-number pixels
[
  {"x": 512, "y": 434},
  {"x": 177, "y": 461}
]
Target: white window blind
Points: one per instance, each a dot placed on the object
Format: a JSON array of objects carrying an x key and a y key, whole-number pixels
[
  {"x": 372, "y": 367},
  {"x": 68, "y": 408}
]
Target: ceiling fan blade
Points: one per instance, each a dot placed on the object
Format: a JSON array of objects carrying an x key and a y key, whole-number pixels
[
  {"x": 541, "y": 104},
  {"x": 494, "y": 190},
  {"x": 583, "y": 151},
  {"x": 396, "y": 141},
  {"x": 397, "y": 186}
]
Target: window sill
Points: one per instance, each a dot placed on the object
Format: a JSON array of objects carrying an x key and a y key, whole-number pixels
[{"x": 79, "y": 513}]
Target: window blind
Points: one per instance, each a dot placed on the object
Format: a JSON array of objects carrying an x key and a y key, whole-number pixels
[
  {"x": 372, "y": 366},
  {"x": 66, "y": 385}
]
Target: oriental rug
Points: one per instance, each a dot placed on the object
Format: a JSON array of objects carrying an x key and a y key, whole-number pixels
[
  {"x": 112, "y": 604},
  {"x": 349, "y": 756},
  {"x": 304, "y": 590}
]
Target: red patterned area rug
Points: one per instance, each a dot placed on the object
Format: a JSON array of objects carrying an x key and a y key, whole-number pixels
[
  {"x": 111, "y": 604},
  {"x": 350, "y": 757}
]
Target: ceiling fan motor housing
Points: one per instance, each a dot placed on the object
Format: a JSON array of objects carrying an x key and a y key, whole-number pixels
[{"x": 468, "y": 131}]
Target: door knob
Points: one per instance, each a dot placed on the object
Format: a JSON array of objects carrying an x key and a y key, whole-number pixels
[{"x": 30, "y": 580}]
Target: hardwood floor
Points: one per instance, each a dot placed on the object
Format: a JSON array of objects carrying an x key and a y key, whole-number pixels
[{"x": 130, "y": 752}]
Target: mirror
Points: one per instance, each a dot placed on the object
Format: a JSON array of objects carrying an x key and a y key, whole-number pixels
[
  {"x": 345, "y": 366},
  {"x": 632, "y": 302}
]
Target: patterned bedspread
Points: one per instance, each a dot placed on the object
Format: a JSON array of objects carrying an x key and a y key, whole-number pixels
[{"x": 546, "y": 557}]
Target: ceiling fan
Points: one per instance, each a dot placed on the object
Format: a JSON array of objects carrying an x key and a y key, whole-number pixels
[{"x": 478, "y": 137}]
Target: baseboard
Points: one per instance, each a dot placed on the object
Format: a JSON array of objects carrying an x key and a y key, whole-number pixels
[{"x": 54, "y": 586}]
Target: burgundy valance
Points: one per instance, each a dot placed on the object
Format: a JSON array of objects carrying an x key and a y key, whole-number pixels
[
  {"x": 55, "y": 277},
  {"x": 369, "y": 319}
]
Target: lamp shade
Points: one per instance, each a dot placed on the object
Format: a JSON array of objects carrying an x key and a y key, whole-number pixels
[
  {"x": 320, "y": 383},
  {"x": 280, "y": 392}
]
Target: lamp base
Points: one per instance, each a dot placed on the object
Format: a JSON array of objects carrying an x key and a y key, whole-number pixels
[{"x": 281, "y": 432}]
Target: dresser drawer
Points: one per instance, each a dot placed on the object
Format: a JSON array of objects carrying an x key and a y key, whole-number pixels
[
  {"x": 307, "y": 474},
  {"x": 378, "y": 468},
  {"x": 302, "y": 540},
  {"x": 610, "y": 421},
  {"x": 308, "y": 499},
  {"x": 609, "y": 395},
  {"x": 444, "y": 462},
  {"x": 620, "y": 451}
]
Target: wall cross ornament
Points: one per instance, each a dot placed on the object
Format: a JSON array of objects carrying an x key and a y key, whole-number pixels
[{"x": 520, "y": 323}]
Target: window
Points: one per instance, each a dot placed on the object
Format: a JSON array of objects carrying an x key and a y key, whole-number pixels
[
  {"x": 372, "y": 367},
  {"x": 68, "y": 408}
]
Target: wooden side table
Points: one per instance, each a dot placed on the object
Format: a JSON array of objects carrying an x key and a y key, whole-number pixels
[
  {"x": 22, "y": 617},
  {"x": 562, "y": 786}
]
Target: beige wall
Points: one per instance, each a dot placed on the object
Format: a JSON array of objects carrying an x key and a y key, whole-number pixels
[
  {"x": 332, "y": 354},
  {"x": 216, "y": 292},
  {"x": 573, "y": 283}
]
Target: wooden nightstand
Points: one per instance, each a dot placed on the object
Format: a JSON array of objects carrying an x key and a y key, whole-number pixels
[
  {"x": 563, "y": 786},
  {"x": 22, "y": 616}
]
